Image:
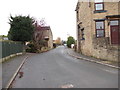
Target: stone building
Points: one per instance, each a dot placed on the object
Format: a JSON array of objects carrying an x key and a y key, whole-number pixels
[
  {"x": 98, "y": 29},
  {"x": 44, "y": 33}
]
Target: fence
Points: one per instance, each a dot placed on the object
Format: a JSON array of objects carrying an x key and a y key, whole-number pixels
[{"x": 10, "y": 47}]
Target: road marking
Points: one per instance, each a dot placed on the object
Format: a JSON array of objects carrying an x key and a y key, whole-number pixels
[{"x": 110, "y": 71}]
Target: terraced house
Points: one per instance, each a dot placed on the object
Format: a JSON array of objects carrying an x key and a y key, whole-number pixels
[{"x": 98, "y": 29}]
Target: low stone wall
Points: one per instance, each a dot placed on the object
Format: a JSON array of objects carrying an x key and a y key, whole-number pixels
[{"x": 103, "y": 50}]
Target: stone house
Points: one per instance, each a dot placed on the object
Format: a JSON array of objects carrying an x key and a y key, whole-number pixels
[
  {"x": 98, "y": 29},
  {"x": 44, "y": 33}
]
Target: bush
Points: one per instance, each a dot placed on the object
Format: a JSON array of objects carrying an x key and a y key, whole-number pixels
[{"x": 31, "y": 48}]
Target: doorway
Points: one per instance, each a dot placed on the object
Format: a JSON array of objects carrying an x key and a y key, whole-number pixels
[{"x": 115, "y": 32}]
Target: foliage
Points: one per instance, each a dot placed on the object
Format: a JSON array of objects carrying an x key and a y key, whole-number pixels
[
  {"x": 39, "y": 39},
  {"x": 31, "y": 48},
  {"x": 58, "y": 41},
  {"x": 39, "y": 43},
  {"x": 43, "y": 42},
  {"x": 36, "y": 47},
  {"x": 21, "y": 28},
  {"x": 70, "y": 41}
]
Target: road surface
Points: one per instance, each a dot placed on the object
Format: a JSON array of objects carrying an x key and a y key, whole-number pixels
[{"x": 56, "y": 69}]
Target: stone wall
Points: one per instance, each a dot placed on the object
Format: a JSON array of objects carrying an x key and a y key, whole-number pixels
[
  {"x": 119, "y": 8},
  {"x": 50, "y": 42},
  {"x": 85, "y": 19},
  {"x": 41, "y": 34},
  {"x": 92, "y": 46},
  {"x": 103, "y": 50}
]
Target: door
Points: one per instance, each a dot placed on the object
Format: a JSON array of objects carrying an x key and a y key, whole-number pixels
[{"x": 115, "y": 34}]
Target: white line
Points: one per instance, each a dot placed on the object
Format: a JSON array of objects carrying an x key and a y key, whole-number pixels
[{"x": 110, "y": 71}]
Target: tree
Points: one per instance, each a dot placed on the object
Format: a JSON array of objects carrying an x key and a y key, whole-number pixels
[
  {"x": 42, "y": 22},
  {"x": 58, "y": 41},
  {"x": 64, "y": 42},
  {"x": 21, "y": 28},
  {"x": 70, "y": 41},
  {"x": 39, "y": 38}
]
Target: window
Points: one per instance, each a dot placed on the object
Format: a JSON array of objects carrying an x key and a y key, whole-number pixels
[
  {"x": 115, "y": 22},
  {"x": 99, "y": 5},
  {"x": 100, "y": 29},
  {"x": 82, "y": 34}
]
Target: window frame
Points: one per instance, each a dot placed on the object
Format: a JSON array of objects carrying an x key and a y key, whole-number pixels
[
  {"x": 114, "y": 20},
  {"x": 100, "y": 29},
  {"x": 99, "y": 3},
  {"x": 82, "y": 34}
]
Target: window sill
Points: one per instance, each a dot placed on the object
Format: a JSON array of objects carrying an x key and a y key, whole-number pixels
[
  {"x": 101, "y": 11},
  {"x": 101, "y": 37}
]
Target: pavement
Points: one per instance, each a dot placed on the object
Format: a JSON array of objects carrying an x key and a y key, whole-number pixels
[
  {"x": 72, "y": 53},
  {"x": 10, "y": 66},
  {"x": 56, "y": 69}
]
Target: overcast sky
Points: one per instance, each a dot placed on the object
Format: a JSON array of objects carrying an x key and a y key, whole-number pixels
[{"x": 59, "y": 14}]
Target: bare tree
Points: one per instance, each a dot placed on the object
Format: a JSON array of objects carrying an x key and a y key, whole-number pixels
[{"x": 39, "y": 35}]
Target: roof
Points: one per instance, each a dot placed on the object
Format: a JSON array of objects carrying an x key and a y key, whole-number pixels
[{"x": 43, "y": 28}]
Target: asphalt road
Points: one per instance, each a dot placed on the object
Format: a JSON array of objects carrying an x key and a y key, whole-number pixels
[{"x": 56, "y": 69}]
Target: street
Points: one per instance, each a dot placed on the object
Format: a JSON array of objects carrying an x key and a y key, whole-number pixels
[{"x": 56, "y": 69}]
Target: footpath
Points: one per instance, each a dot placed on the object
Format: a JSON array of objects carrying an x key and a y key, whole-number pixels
[
  {"x": 72, "y": 53},
  {"x": 10, "y": 66}
]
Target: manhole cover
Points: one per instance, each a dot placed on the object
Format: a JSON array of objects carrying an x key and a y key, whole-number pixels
[{"x": 67, "y": 86}]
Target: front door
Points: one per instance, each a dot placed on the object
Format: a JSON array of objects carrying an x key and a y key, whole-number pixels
[
  {"x": 114, "y": 35},
  {"x": 115, "y": 32}
]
